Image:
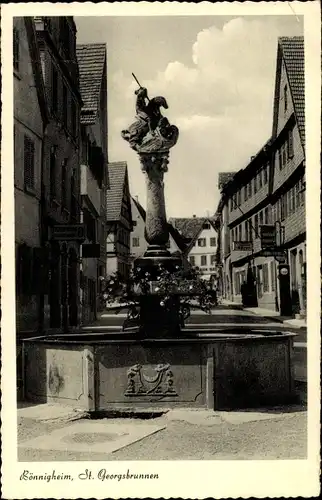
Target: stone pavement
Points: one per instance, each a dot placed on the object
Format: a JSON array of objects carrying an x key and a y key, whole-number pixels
[
  {"x": 52, "y": 433},
  {"x": 267, "y": 313}
]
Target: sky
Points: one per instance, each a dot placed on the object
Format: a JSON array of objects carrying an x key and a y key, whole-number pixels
[{"x": 217, "y": 74}]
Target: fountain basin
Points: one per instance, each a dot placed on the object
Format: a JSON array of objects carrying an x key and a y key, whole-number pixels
[{"x": 202, "y": 369}]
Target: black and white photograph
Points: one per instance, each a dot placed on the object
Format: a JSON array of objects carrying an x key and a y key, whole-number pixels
[{"x": 159, "y": 255}]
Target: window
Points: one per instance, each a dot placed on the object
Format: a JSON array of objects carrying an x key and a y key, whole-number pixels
[
  {"x": 65, "y": 107},
  {"x": 290, "y": 145},
  {"x": 284, "y": 155},
  {"x": 255, "y": 183},
  {"x": 238, "y": 195},
  {"x": 192, "y": 260},
  {"x": 280, "y": 160},
  {"x": 266, "y": 216},
  {"x": 52, "y": 173},
  {"x": 302, "y": 191},
  {"x": 212, "y": 242},
  {"x": 265, "y": 174},
  {"x": 206, "y": 225},
  {"x": 240, "y": 232},
  {"x": 249, "y": 190},
  {"x": 15, "y": 49},
  {"x": 134, "y": 223},
  {"x": 247, "y": 238},
  {"x": 212, "y": 260},
  {"x": 245, "y": 193},
  {"x": 54, "y": 91},
  {"x": 201, "y": 242},
  {"x": 246, "y": 230},
  {"x": 250, "y": 229},
  {"x": 291, "y": 200},
  {"x": 260, "y": 179},
  {"x": 63, "y": 184},
  {"x": 256, "y": 226},
  {"x": 261, "y": 221},
  {"x": 297, "y": 195},
  {"x": 265, "y": 278},
  {"x": 283, "y": 207},
  {"x": 285, "y": 98},
  {"x": 29, "y": 163},
  {"x": 135, "y": 242},
  {"x": 203, "y": 260}
]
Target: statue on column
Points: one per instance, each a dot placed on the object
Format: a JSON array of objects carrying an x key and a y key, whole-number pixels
[
  {"x": 151, "y": 136},
  {"x": 151, "y": 132}
]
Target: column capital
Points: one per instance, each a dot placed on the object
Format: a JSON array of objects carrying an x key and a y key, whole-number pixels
[{"x": 154, "y": 162}]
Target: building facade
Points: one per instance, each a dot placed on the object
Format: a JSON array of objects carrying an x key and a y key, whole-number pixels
[
  {"x": 244, "y": 210},
  {"x": 201, "y": 239},
  {"x": 30, "y": 121},
  {"x": 288, "y": 189},
  {"x": 267, "y": 198},
  {"x": 60, "y": 209},
  {"x": 94, "y": 173},
  {"x": 119, "y": 220},
  {"x": 139, "y": 244}
]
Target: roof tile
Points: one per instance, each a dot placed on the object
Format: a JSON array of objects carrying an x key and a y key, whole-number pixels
[
  {"x": 114, "y": 195},
  {"x": 91, "y": 60},
  {"x": 293, "y": 54},
  {"x": 189, "y": 228}
]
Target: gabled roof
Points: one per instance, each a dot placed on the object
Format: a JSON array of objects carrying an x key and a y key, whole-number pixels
[
  {"x": 190, "y": 228},
  {"x": 291, "y": 50},
  {"x": 172, "y": 231},
  {"x": 91, "y": 62},
  {"x": 117, "y": 181}
]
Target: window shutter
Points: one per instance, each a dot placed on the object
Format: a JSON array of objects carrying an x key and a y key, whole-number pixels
[{"x": 29, "y": 158}]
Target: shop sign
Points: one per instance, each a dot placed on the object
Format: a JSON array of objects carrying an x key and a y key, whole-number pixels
[
  {"x": 268, "y": 236},
  {"x": 68, "y": 232},
  {"x": 243, "y": 246},
  {"x": 279, "y": 255}
]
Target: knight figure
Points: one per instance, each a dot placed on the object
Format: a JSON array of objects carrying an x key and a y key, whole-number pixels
[{"x": 151, "y": 132}]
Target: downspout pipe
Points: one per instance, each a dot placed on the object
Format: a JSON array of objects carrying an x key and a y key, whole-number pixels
[{"x": 43, "y": 233}]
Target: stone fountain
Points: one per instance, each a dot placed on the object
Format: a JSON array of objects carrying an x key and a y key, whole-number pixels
[{"x": 168, "y": 365}]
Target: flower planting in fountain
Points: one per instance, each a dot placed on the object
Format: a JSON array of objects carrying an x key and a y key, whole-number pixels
[{"x": 185, "y": 285}]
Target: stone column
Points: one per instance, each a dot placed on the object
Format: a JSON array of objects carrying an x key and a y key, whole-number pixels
[{"x": 156, "y": 226}]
